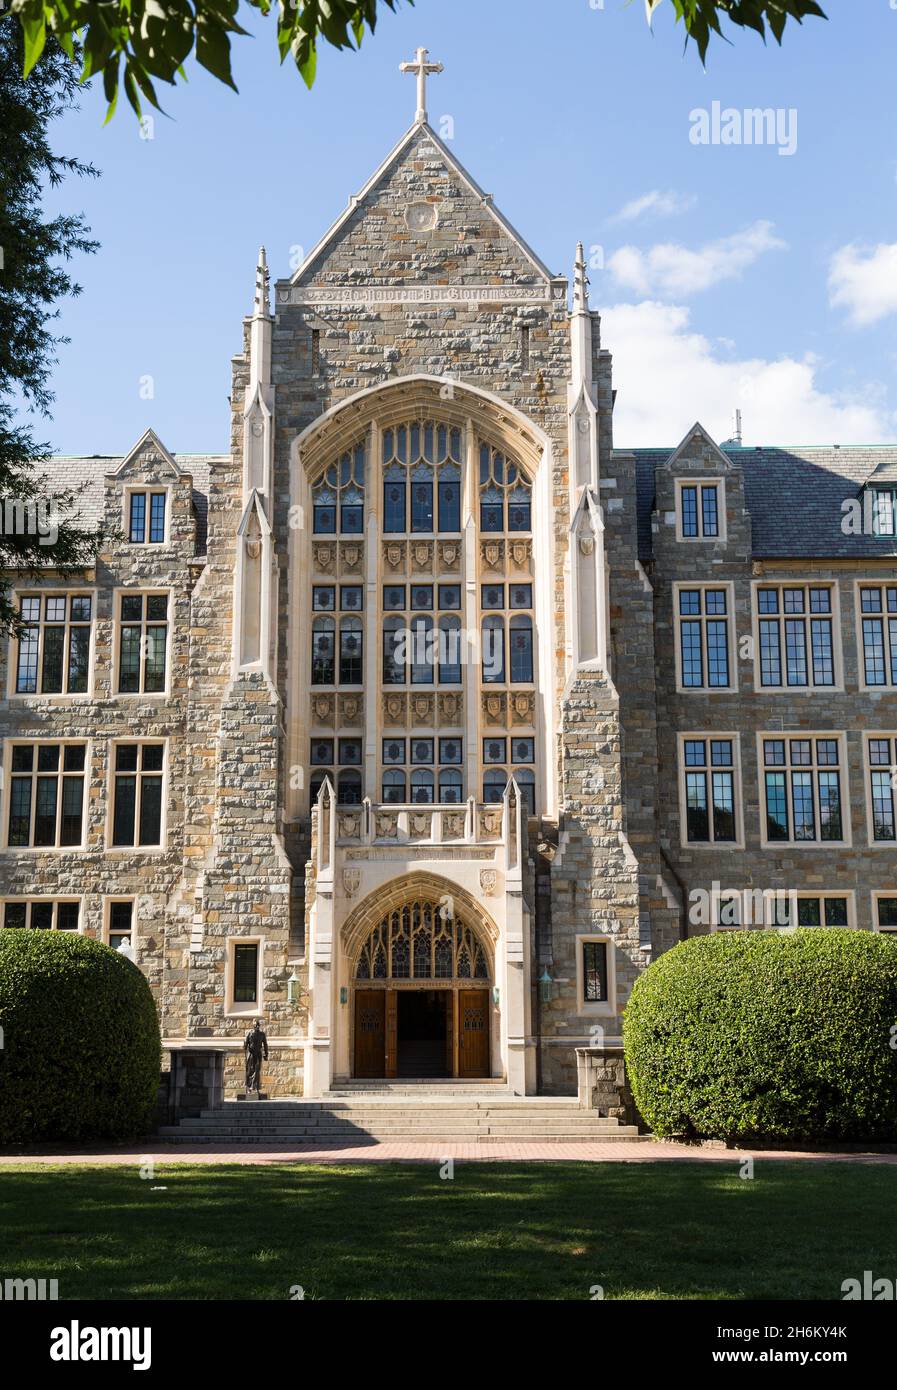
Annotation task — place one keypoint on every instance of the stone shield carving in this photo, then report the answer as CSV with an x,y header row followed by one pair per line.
x,y
421,554
351,881
488,880
323,708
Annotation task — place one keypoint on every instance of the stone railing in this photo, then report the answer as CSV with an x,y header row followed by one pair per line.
x,y
400,824
470,825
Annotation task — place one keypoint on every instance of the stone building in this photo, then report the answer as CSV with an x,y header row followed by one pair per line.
x,y
421,721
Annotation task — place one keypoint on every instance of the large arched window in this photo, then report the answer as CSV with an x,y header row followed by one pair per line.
x,y
323,651
422,941
436,573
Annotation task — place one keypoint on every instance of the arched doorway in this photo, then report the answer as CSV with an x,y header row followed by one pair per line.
x,y
421,983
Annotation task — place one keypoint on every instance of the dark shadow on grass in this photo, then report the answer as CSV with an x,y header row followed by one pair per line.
x,y
393,1231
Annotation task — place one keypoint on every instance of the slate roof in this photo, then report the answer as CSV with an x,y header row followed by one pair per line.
x,y
86,477
794,497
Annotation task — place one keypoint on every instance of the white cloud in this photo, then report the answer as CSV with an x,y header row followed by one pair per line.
x,y
863,280
675,271
667,376
668,204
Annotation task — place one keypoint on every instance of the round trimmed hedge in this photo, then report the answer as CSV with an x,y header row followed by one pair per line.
x,y
764,1034
81,1049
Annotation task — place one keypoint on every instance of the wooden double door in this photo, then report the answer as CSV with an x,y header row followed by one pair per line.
x,y
438,1032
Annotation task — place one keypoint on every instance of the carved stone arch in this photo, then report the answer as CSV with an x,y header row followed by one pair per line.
x,y
429,397
407,889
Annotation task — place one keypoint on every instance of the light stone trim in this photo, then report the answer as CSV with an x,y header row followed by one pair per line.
x,y
369,296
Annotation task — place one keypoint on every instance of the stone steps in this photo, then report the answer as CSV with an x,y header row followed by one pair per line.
x,y
423,1119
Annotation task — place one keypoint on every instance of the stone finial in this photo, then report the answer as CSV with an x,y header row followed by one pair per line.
x,y
421,68
261,285
580,281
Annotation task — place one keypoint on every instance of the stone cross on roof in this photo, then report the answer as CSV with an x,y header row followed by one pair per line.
x,y
420,67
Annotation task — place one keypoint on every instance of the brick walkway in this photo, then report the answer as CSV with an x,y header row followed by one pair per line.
x,y
650,1152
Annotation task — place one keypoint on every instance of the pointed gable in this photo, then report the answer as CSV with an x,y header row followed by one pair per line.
x,y
698,435
420,218
148,449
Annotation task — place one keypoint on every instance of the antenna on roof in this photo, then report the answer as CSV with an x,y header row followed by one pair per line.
x,y
737,437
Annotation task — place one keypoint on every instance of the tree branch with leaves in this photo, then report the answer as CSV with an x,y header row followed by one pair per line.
x,y
39,528
134,44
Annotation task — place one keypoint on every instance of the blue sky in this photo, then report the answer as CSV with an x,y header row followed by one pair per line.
x,y
733,276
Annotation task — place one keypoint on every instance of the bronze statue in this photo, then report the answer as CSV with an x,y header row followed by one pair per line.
x,y
255,1048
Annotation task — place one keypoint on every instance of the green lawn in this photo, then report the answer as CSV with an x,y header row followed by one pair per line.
x,y
494,1231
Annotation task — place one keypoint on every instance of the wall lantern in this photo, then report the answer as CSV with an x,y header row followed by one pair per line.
x,y
546,986
293,989
496,995
343,994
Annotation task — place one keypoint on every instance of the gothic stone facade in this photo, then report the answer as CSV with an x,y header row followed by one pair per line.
x,y
674,693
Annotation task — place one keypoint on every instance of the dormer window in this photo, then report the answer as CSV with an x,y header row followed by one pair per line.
x,y
884,511
146,518
700,510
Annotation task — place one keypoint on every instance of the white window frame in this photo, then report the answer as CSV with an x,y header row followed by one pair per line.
x,y
147,489
868,736
889,488
233,1009
706,735
883,585
593,1008
843,769
57,697
144,593
834,617
53,898
8,774
701,539
678,618
108,901
877,895
162,846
